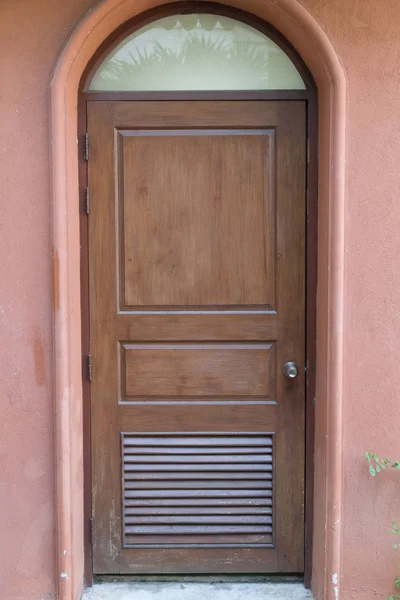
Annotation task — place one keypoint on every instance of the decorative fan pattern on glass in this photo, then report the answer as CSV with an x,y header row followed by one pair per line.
x,y
196,52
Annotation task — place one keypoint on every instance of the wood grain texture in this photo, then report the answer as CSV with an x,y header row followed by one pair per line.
x,y
199,233
198,370
189,416
257,263
212,559
251,325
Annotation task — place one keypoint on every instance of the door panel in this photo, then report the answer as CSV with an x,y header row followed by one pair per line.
x,y
206,370
197,296
201,247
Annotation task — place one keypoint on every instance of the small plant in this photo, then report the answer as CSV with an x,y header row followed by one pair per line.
x,y
376,465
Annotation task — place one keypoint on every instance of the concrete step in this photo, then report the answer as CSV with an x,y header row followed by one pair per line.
x,y
196,591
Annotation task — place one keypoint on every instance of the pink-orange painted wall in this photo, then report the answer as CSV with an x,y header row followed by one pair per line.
x,y
366,36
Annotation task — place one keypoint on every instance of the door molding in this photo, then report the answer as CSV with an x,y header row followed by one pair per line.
x,y
297,25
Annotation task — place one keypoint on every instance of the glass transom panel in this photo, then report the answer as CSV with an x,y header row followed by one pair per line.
x,y
196,52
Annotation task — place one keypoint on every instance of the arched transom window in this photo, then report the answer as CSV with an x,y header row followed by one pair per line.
x,y
196,52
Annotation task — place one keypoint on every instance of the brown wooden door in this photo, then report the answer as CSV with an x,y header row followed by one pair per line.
x,y
197,300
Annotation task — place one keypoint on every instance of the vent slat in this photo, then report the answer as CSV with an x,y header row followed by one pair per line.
x,y
199,493
204,459
199,510
196,467
180,540
202,529
197,489
235,486
229,501
206,440
196,451
197,520
186,476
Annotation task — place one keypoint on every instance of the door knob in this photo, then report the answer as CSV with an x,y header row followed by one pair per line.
x,y
290,370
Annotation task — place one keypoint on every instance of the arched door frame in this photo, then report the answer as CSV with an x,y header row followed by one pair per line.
x,y
71,75
309,95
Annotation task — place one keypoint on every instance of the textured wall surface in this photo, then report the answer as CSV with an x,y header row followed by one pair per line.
x,y
366,35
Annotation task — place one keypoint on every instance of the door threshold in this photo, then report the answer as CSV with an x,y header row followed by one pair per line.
x,y
191,590
237,578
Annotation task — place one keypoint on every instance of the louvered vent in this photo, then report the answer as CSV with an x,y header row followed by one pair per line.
x,y
196,490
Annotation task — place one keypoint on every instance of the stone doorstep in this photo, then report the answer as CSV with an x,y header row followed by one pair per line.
x,y
196,591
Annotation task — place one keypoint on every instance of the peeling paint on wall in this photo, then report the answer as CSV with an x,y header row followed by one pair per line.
x,y
335,585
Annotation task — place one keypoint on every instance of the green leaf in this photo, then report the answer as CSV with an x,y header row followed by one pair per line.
x,y
372,471
368,456
378,469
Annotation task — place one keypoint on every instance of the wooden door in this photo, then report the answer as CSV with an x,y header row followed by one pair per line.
x,y
197,300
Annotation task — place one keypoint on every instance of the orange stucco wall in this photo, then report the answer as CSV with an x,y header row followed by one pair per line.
x,y
366,36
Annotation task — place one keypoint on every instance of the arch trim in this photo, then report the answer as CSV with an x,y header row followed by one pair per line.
x,y
308,37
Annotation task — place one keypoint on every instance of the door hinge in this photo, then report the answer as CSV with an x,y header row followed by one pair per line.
x,y
86,147
91,536
87,201
89,365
